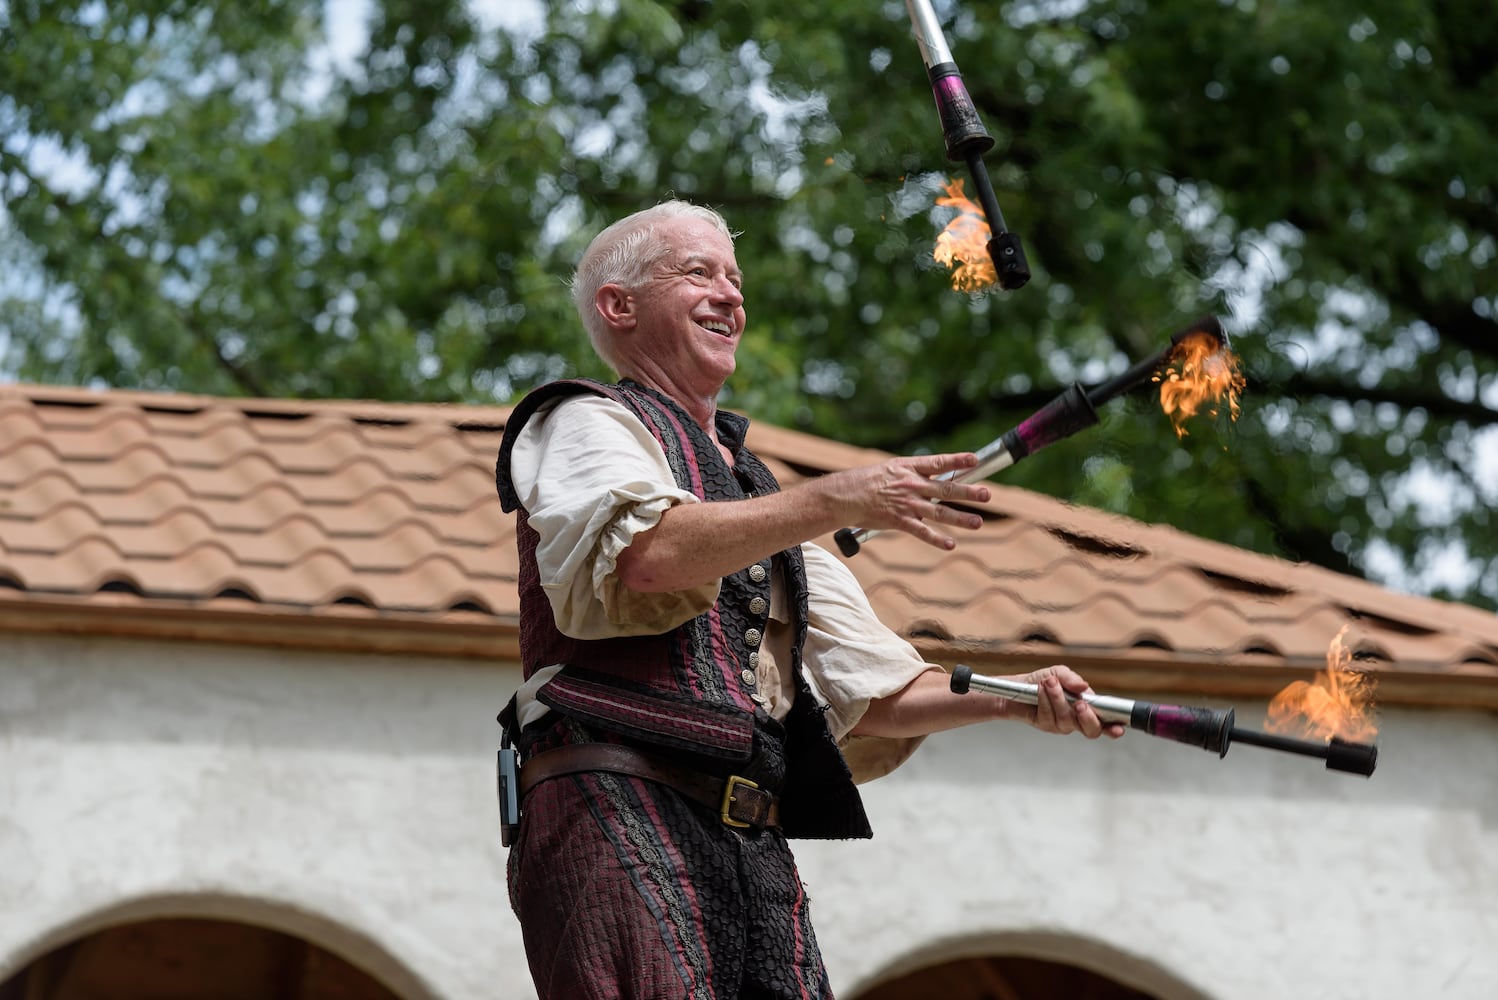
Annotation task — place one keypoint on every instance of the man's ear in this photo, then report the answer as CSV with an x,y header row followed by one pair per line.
x,y
616,306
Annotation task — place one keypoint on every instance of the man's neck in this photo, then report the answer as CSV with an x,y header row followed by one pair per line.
x,y
701,406
702,409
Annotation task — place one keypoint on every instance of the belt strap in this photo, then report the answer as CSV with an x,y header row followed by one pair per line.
x,y
738,801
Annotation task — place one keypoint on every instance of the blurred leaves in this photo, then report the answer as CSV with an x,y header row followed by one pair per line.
x,y
199,197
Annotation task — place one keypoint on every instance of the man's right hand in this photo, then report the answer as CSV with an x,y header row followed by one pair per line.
x,y
697,543
903,494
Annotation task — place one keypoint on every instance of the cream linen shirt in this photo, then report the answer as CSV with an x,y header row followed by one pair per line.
x,y
591,477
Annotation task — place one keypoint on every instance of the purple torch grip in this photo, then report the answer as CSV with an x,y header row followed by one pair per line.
x,y
1062,417
961,128
1208,728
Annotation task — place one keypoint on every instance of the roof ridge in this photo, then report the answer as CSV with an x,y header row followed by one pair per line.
x,y
472,414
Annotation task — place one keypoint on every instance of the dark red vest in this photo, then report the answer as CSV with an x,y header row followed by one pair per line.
x,y
690,688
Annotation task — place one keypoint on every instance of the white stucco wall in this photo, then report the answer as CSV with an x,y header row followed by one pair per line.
x,y
347,799
1257,875
350,800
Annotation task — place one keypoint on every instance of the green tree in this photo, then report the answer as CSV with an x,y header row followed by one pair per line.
x,y
198,200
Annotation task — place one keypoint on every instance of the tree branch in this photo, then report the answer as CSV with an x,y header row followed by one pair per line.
x,y
1436,404
1296,541
248,383
1452,319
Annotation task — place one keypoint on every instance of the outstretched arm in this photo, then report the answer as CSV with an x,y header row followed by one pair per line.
x,y
695,544
928,705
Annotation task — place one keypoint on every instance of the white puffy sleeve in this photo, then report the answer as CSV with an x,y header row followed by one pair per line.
x,y
591,477
853,658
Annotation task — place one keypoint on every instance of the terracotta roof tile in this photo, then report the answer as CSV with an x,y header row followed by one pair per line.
x,y
374,525
258,510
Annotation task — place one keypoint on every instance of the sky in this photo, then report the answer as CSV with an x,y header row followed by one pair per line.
x,y
345,21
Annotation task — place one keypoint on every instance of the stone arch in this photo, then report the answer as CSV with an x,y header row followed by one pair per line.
x,y
1025,966
228,921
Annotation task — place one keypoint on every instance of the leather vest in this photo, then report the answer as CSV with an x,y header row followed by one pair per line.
x,y
688,689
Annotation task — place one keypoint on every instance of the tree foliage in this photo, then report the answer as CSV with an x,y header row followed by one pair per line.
x,y
197,197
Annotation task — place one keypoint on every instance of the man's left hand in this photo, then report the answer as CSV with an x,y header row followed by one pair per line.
x,y
1055,713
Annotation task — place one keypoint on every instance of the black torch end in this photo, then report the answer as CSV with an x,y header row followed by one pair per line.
x,y
1207,326
1009,260
1339,754
847,541
1354,758
962,679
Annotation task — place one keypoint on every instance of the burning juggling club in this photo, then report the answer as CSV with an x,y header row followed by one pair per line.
x,y
1208,728
966,139
1072,411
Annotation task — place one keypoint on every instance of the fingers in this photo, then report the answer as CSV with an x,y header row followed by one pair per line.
x,y
909,494
935,513
945,473
1060,707
1053,712
956,463
950,490
930,495
1087,721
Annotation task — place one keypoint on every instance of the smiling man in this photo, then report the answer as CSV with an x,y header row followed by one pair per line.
x,y
694,667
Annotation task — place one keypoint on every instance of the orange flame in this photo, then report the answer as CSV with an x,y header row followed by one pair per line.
x,y
1338,702
963,244
1200,373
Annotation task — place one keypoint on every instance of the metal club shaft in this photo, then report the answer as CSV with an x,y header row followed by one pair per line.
x,y
1208,728
1062,417
1340,755
1075,409
966,139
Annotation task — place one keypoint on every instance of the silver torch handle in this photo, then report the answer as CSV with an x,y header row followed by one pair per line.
x,y
1107,707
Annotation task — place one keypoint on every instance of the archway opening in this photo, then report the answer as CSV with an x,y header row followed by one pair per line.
x,y
1008,977
191,958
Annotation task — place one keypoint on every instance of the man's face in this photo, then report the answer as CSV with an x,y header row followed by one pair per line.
x,y
689,313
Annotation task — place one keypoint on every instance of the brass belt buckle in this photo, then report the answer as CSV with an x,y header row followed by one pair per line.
x,y
733,782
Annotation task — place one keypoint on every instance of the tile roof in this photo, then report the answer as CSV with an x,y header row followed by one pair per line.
x,y
373,526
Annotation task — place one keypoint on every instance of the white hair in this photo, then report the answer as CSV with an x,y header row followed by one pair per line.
x,y
624,254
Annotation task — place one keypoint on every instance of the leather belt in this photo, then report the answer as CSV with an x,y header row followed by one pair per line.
x,y
738,801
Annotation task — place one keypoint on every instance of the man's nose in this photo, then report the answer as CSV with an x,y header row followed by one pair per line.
x,y
728,292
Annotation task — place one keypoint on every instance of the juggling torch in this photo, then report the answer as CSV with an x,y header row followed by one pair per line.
x,y
1208,728
1072,411
966,139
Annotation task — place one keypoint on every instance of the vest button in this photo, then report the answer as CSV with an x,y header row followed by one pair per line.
x,y
760,700
752,637
754,661
747,676
758,606
757,573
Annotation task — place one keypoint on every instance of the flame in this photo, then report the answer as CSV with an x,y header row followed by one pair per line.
x,y
1338,702
963,244
1200,373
